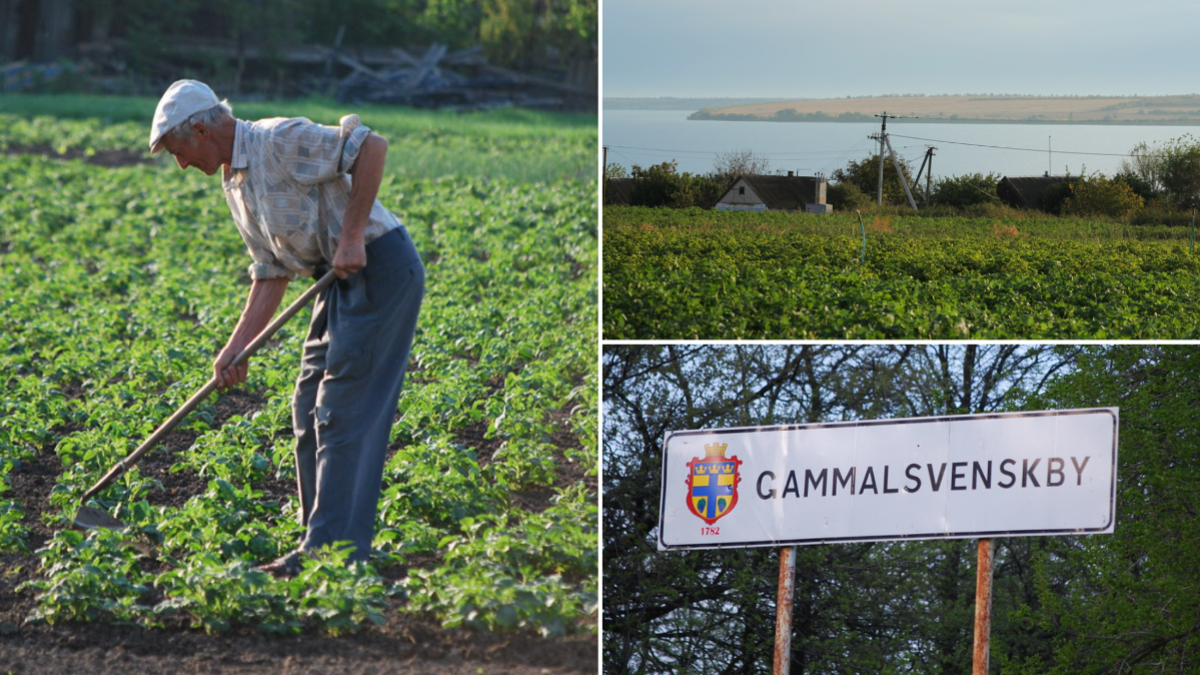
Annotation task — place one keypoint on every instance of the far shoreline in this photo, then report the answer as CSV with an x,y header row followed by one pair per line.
x,y
1183,122
1175,110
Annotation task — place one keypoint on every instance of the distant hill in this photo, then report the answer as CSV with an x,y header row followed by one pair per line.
x,y
670,103
1183,109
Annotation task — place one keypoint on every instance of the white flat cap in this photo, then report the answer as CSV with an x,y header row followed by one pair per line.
x,y
182,99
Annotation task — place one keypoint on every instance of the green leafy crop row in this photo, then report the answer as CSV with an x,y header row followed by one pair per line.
x,y
711,275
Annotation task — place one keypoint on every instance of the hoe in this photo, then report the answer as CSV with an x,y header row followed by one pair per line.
x,y
89,517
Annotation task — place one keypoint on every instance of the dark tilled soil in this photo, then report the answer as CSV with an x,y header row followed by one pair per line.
x,y
404,645
107,158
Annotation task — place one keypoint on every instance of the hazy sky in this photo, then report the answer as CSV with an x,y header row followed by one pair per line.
x,y
834,48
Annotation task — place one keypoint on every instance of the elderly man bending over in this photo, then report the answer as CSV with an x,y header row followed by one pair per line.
x,y
303,198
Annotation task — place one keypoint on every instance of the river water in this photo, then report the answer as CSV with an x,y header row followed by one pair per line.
x,y
647,137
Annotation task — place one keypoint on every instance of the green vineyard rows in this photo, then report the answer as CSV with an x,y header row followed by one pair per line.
x,y
118,286
696,274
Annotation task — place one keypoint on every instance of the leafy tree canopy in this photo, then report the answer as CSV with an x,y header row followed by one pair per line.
x,y
1123,603
519,33
864,174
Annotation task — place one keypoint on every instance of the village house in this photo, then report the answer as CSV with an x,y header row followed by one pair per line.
x,y
776,193
1026,192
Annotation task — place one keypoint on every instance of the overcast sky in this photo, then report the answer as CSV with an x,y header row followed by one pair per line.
x,y
835,48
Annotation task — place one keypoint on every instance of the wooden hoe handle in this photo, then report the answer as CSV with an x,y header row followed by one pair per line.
x,y
208,388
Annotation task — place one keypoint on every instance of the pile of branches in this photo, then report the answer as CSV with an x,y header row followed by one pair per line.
x,y
436,79
461,80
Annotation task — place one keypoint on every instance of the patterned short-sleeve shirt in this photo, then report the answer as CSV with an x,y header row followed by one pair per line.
x,y
288,190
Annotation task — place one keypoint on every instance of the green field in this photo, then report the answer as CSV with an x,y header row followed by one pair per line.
x,y
513,145
118,284
696,274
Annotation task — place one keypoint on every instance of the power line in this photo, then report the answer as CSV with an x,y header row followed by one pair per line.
x,y
674,152
1007,147
627,159
844,157
835,157
805,155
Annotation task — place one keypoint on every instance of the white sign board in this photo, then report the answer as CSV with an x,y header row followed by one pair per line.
x,y
962,476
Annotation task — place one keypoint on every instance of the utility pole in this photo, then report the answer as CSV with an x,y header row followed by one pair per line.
x,y
885,143
929,176
882,135
604,191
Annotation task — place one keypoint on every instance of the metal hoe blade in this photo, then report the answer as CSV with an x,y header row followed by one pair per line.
x,y
91,518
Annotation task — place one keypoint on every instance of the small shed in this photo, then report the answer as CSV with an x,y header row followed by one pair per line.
x,y
1025,192
773,193
617,191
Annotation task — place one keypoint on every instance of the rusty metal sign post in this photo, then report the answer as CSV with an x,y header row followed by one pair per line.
x,y
783,610
787,591
983,607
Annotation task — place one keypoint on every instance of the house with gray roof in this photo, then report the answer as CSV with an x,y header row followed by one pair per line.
x,y
1026,192
775,193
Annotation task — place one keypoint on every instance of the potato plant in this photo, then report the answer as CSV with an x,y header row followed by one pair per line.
x,y
117,287
705,274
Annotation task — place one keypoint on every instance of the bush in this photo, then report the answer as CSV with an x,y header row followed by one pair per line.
x,y
845,197
663,185
656,185
1100,196
1055,196
961,191
864,174
1140,185
1160,213
615,171
1171,171
1179,171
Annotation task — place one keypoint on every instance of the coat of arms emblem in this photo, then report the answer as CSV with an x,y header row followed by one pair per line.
x,y
712,483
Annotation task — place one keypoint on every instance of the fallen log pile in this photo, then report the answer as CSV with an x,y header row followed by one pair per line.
x,y
460,80
429,77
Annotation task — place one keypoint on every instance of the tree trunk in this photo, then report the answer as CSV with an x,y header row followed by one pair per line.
x,y
54,23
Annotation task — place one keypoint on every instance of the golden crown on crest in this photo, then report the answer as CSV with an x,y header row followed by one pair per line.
x,y
715,449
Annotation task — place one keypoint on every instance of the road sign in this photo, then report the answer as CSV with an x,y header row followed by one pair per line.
x,y
963,476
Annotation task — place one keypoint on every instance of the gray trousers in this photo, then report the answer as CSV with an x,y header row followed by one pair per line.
x,y
353,366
